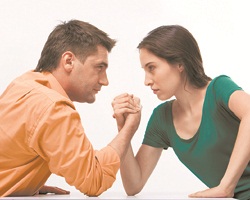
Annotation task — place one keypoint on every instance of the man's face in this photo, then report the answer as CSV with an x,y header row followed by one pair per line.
x,y
87,78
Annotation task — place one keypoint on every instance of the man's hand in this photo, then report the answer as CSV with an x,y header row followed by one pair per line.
x,y
50,189
133,118
127,112
123,105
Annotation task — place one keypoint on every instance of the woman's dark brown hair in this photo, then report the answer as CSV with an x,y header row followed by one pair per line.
x,y
176,44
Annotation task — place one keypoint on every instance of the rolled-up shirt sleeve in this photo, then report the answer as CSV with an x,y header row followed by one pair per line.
x,y
59,138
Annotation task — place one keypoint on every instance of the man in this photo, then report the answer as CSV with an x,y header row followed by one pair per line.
x,y
40,130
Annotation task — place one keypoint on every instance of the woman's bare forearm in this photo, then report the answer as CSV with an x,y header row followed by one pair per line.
x,y
240,156
135,170
131,173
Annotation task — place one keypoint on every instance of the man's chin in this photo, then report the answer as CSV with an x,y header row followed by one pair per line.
x,y
87,100
92,100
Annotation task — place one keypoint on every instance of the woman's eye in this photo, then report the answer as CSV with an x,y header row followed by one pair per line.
x,y
151,68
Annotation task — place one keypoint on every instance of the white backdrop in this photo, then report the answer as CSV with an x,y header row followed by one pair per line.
x,y
220,27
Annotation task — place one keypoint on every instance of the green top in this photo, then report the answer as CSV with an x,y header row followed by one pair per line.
x,y
208,152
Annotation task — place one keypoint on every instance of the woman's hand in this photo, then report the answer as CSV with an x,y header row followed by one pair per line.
x,y
123,105
51,189
216,192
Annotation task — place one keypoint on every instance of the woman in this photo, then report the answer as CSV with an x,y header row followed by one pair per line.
x,y
207,123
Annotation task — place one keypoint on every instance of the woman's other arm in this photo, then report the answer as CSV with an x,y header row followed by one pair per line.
x,y
240,106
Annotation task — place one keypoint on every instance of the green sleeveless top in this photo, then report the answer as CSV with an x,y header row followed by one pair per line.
x,y
208,152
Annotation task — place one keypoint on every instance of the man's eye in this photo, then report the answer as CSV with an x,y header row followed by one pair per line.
x,y
100,67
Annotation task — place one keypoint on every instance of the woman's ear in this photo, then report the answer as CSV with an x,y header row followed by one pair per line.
x,y
68,61
180,67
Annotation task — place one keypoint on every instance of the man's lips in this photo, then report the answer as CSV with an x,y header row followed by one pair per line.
x,y
97,90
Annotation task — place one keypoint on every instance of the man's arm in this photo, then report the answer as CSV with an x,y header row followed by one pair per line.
x,y
60,140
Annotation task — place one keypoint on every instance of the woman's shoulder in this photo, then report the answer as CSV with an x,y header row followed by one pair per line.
x,y
223,81
221,77
221,88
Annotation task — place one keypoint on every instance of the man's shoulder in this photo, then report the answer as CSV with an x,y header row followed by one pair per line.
x,y
36,88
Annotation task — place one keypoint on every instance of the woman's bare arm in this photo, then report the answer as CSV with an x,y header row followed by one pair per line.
x,y
240,106
135,171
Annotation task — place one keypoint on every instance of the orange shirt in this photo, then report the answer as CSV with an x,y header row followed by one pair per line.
x,y
41,133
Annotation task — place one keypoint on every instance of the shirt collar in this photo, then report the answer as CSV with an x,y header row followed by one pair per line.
x,y
54,84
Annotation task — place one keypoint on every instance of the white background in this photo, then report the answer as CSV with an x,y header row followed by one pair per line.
x,y
221,28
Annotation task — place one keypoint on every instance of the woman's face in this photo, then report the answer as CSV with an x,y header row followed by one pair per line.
x,y
163,78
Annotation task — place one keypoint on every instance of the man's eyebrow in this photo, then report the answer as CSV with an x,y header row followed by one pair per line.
x,y
103,63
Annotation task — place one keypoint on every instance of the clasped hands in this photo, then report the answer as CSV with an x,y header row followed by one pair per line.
x,y
126,106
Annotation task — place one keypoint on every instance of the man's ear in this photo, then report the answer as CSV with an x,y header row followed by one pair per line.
x,y
68,61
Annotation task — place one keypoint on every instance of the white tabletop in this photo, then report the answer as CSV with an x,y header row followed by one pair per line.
x,y
115,196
